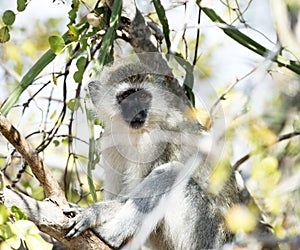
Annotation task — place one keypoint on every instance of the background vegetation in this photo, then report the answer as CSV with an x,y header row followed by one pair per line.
x,y
240,65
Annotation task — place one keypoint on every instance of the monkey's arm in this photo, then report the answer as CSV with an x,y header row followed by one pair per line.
x,y
115,222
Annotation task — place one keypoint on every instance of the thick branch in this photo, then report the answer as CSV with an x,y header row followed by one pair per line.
x,y
51,220
41,172
141,38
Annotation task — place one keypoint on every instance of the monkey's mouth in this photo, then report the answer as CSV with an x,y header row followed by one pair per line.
x,y
138,120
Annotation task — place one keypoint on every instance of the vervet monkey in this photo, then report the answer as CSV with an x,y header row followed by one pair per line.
x,y
155,175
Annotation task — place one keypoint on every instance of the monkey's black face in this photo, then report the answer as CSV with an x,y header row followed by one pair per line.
x,y
135,104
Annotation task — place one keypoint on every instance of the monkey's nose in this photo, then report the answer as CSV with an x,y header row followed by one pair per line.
x,y
134,104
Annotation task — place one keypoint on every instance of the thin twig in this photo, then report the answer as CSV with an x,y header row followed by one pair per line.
x,y
197,37
26,104
228,89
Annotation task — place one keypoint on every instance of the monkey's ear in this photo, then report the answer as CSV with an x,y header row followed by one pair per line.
x,y
94,88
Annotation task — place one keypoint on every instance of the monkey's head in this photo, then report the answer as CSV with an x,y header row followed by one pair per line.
x,y
129,95
130,99
142,114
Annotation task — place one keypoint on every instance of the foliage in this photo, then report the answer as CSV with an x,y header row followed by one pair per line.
x,y
20,232
43,83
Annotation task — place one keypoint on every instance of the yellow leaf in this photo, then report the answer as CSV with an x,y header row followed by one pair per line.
x,y
265,167
12,52
219,176
29,48
263,134
265,171
53,116
201,115
279,231
274,204
5,246
240,219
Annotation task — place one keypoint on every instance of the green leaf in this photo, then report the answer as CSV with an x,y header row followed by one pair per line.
x,y
14,241
163,20
35,241
5,232
296,124
73,104
18,213
56,143
4,214
81,63
78,76
73,33
38,193
292,149
21,5
73,12
65,141
107,41
28,78
249,43
8,17
57,44
92,147
4,34
189,77
98,121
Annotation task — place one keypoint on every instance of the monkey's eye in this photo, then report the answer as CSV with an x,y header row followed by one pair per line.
x,y
143,95
123,95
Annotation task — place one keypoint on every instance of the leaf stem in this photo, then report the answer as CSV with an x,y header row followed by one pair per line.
x,y
249,43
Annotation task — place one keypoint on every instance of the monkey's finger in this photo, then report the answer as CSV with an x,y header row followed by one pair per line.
x,y
76,229
71,222
73,233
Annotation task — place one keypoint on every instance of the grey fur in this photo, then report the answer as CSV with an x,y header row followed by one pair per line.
x,y
155,187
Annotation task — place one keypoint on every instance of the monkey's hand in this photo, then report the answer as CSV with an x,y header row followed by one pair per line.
x,y
112,221
91,217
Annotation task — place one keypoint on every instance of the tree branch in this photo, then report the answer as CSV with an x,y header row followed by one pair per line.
x,y
141,38
40,171
279,139
47,215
